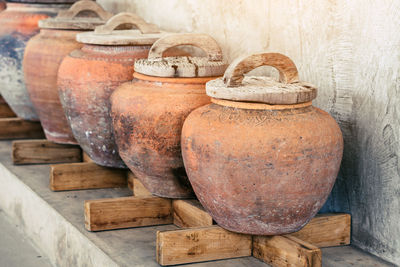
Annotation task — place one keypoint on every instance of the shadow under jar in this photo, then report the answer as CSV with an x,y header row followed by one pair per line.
x,y
43,56
18,23
148,113
261,159
88,76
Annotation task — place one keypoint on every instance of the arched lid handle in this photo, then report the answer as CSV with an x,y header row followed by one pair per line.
x,y
202,41
234,74
84,5
127,18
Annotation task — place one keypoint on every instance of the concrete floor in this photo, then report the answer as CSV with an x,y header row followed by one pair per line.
x,y
16,250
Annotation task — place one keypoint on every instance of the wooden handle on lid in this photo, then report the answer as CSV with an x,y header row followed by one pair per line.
x,y
202,41
126,18
84,5
234,74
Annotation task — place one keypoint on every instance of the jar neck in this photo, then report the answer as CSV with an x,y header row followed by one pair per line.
x,y
58,33
259,106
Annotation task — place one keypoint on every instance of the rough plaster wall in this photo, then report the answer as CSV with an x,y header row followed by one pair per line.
x,y
351,51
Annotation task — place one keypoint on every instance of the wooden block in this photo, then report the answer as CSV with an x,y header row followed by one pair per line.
x,y
130,181
43,151
286,251
200,244
327,230
86,175
85,157
190,213
125,212
137,186
16,128
5,111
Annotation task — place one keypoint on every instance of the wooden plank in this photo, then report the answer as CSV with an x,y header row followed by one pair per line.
x,y
5,111
43,151
190,213
86,175
137,186
200,244
125,212
282,251
16,128
327,230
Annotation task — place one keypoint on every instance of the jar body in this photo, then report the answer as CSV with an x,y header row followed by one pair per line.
x,y
18,23
148,115
86,79
261,171
43,56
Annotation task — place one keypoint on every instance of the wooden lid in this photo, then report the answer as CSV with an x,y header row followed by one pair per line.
x,y
145,34
235,86
83,15
157,65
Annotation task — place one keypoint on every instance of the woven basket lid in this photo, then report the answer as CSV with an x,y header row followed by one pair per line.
x,y
83,15
157,65
235,86
111,34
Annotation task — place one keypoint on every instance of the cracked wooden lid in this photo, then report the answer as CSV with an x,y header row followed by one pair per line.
x,y
112,34
83,15
235,86
157,65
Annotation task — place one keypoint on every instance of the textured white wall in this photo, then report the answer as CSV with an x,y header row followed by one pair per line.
x,y
351,51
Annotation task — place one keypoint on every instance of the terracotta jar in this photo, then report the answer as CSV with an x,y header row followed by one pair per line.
x,y
43,56
261,159
107,60
2,5
18,23
148,113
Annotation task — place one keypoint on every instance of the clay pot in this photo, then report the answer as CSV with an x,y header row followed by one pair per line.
x,y
261,159
148,113
43,56
2,5
18,23
107,60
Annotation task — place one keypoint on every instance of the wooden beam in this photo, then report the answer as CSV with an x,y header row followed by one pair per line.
x,y
282,251
86,175
200,244
327,230
5,111
125,212
44,152
16,128
85,157
137,186
190,213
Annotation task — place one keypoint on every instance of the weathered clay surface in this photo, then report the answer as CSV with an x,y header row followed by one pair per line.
x,y
43,56
148,115
87,77
262,172
18,23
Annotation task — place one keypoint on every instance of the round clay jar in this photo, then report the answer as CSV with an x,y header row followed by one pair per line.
x,y
261,159
107,59
43,56
18,23
148,113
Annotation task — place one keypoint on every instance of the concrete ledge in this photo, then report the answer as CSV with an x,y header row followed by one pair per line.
x,y
55,222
